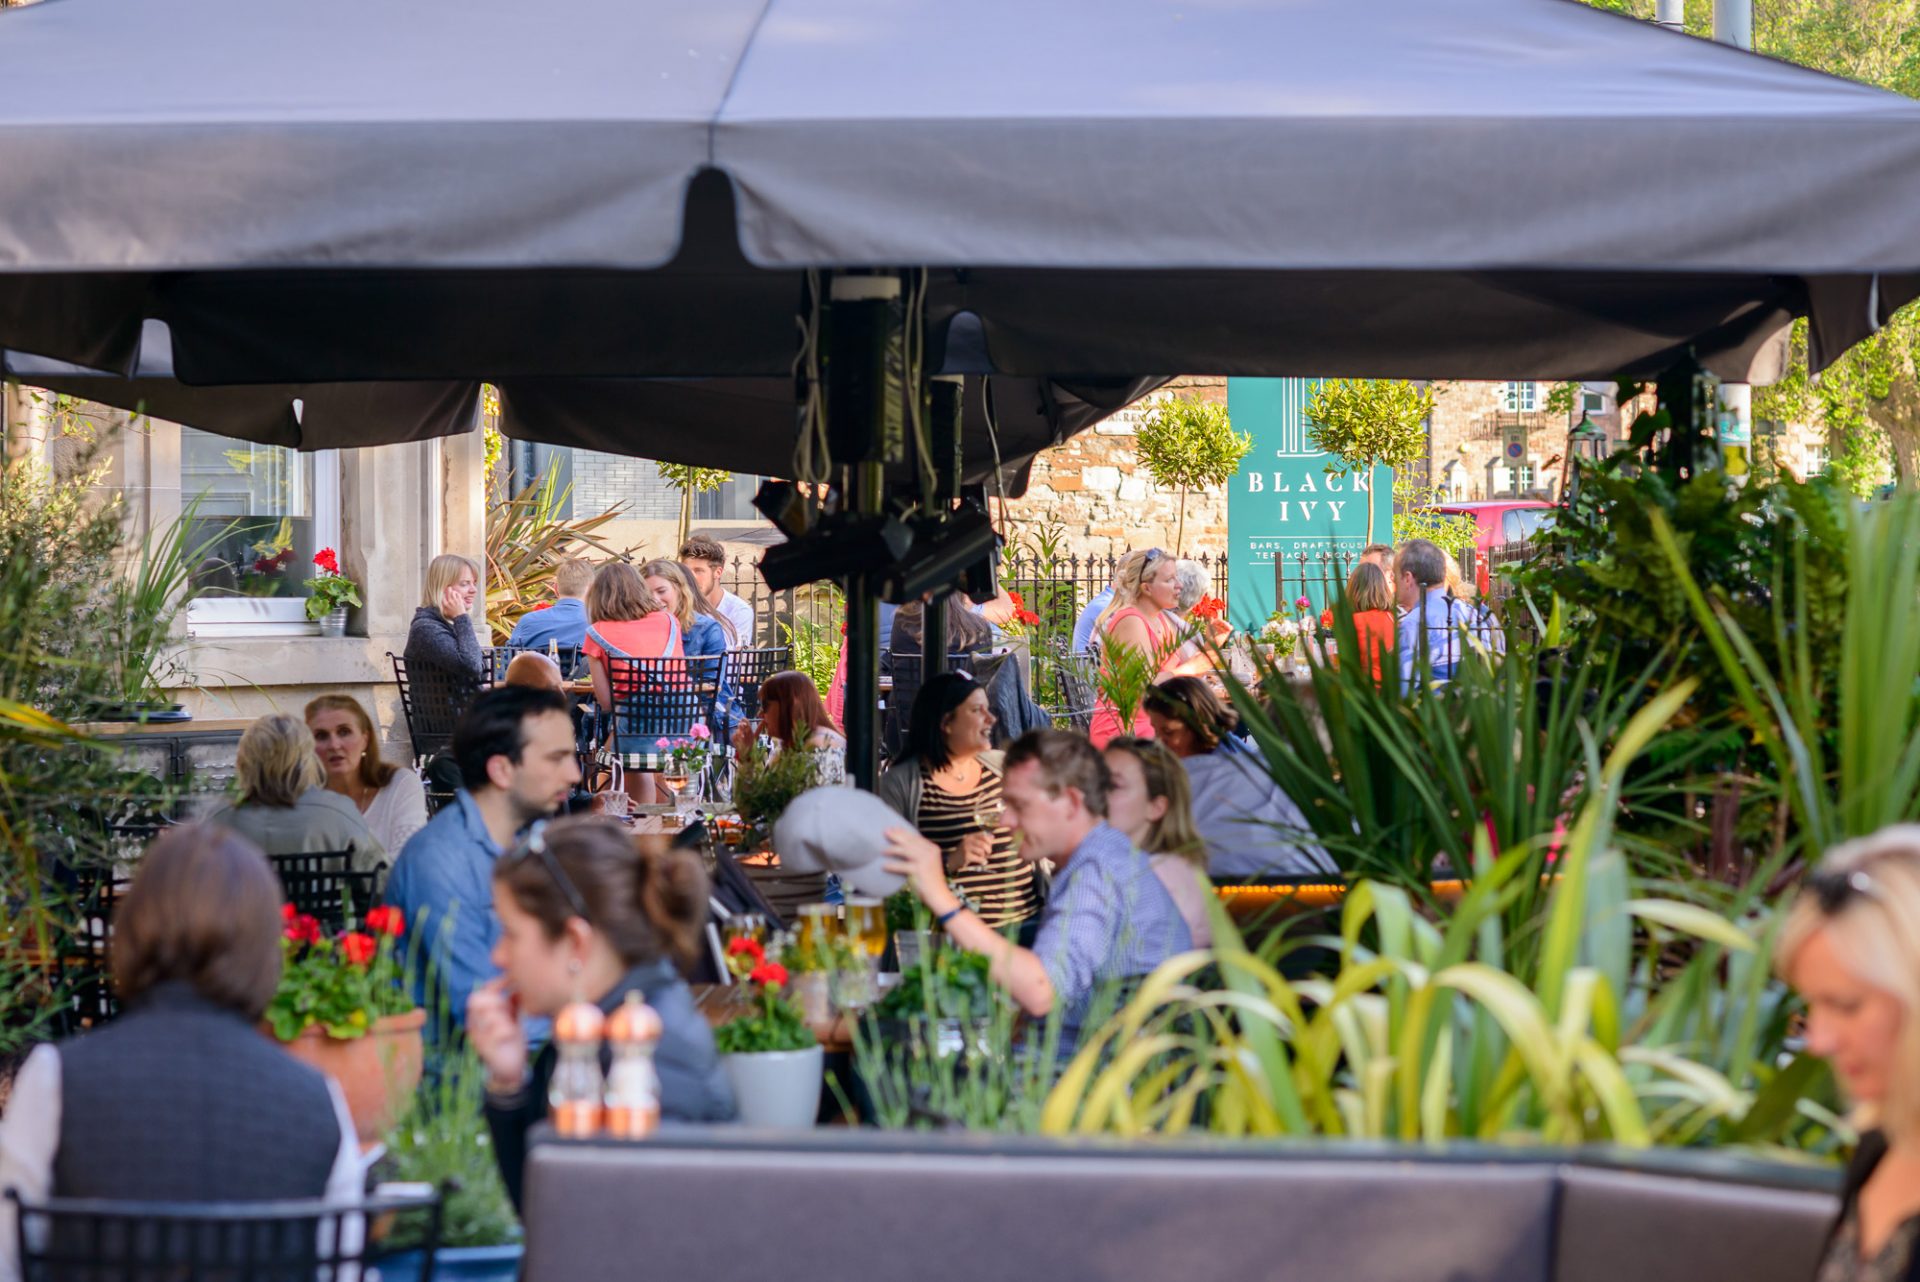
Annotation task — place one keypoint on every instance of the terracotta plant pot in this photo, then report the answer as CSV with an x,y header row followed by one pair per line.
x,y
377,1073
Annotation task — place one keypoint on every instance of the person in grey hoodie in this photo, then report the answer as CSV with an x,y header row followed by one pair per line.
x,y
1251,828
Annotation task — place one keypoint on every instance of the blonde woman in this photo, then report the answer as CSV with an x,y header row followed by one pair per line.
x,y
391,799
1149,801
442,638
283,807
1851,946
1146,588
704,633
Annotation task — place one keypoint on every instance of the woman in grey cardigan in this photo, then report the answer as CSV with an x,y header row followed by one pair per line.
x,y
284,806
442,637
947,785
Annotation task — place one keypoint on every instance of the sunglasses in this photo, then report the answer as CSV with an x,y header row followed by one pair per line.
x,y
1835,889
1153,554
534,846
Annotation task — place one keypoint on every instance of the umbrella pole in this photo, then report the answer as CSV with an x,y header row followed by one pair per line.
x,y
943,430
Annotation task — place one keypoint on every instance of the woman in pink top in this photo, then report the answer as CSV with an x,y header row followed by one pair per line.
x,y
626,622
1150,803
1145,591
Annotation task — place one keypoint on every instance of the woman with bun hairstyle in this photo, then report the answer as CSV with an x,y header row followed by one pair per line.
x,y
582,918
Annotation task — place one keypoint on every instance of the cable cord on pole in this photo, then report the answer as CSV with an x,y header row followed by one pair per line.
x,y
812,455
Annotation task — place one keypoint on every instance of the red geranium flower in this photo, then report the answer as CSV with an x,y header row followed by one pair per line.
x,y
327,561
300,928
769,975
357,948
1208,607
1326,617
387,921
741,946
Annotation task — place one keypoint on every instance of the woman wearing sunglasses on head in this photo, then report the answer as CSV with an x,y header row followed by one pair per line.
x,y
1851,946
583,919
1146,591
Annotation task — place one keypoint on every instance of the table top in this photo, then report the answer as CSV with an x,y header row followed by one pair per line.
x,y
718,1003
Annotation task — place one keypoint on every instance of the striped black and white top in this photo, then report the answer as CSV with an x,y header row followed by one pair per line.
x,y
1003,891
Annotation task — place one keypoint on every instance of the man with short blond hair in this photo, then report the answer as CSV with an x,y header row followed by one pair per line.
x,y
705,561
564,623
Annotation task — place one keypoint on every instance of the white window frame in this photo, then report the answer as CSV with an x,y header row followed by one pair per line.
x,y
1520,398
276,616
1819,459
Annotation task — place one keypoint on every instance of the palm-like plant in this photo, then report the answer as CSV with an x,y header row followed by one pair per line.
x,y
527,539
1458,1028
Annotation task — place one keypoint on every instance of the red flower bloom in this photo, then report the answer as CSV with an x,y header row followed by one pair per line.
x,y
1208,607
357,948
387,921
327,561
769,975
300,928
1326,617
741,946
1026,616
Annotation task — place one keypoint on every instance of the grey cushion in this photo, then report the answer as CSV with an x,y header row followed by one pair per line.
x,y
1621,1226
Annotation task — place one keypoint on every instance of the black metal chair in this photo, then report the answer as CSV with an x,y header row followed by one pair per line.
x,y
495,658
97,1240
1076,688
655,699
906,670
433,701
324,885
748,670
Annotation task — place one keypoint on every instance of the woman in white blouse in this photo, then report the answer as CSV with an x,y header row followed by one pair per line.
x,y
390,798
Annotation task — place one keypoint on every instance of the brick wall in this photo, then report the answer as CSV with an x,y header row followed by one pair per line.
x,y
1095,487
601,481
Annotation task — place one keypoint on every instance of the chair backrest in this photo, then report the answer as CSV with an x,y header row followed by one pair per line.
x,y
324,885
1076,688
907,669
662,698
433,701
67,1240
495,658
748,669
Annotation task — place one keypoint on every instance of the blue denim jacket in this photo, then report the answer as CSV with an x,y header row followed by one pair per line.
x,y
443,882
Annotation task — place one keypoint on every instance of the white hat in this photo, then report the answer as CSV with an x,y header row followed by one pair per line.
x,y
842,831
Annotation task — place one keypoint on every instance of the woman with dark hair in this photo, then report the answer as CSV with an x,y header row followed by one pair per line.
x,y
1252,829
793,716
181,1099
582,918
947,785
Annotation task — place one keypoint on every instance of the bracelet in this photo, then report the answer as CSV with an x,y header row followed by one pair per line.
x,y
949,915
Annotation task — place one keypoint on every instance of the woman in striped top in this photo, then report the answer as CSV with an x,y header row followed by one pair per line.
x,y
947,785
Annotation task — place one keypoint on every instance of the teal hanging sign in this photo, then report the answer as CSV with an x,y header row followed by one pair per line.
x,y
1283,504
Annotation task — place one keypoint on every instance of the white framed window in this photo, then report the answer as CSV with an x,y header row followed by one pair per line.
x,y
264,510
1817,459
1593,402
1520,398
1453,479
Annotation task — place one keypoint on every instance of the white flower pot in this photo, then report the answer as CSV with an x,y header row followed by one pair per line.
x,y
779,1089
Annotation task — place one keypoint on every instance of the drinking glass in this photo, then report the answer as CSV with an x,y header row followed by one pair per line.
x,y
866,925
853,991
817,925
746,926
914,948
614,803
676,778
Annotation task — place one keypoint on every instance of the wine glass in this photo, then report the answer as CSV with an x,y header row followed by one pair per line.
x,y
676,778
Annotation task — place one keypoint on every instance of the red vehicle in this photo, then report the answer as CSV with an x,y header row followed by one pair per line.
x,y
1497,523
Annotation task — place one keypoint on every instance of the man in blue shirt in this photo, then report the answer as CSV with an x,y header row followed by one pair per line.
x,y
1432,624
516,756
1107,919
564,623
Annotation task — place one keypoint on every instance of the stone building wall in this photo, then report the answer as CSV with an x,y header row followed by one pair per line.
x,y
1096,489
